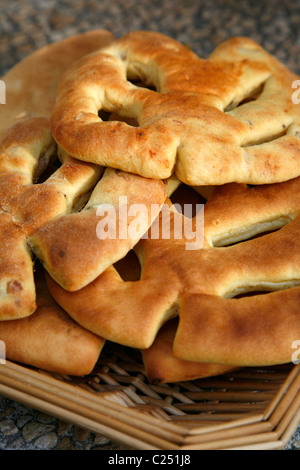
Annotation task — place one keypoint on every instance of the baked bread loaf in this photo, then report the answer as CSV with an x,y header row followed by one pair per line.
x,y
49,339
134,118
43,190
200,286
226,119
30,86
162,366
26,149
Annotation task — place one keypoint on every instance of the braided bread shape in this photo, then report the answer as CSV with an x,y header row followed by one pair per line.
x,y
226,119
201,285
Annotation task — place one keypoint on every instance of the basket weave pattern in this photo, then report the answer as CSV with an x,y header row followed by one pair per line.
x,y
250,408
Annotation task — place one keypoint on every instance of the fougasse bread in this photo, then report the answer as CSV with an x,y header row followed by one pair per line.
x,y
202,286
228,118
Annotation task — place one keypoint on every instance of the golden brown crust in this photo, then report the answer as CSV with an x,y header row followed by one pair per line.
x,y
31,84
17,288
171,273
26,149
195,124
251,331
236,212
25,206
66,242
71,248
133,319
49,339
174,125
22,145
163,367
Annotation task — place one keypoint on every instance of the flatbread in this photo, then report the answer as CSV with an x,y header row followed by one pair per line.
x,y
163,367
201,285
226,119
30,86
49,339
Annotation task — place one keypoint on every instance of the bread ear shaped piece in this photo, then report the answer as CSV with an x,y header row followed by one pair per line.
x,y
49,339
163,367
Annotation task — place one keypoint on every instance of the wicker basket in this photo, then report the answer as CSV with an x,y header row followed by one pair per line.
x,y
251,408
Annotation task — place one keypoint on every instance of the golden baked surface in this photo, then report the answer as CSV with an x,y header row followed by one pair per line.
x,y
31,84
163,367
35,189
26,149
226,119
200,286
134,119
49,339
49,200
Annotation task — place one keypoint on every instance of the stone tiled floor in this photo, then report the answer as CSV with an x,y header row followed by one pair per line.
x,y
23,428
26,26
202,24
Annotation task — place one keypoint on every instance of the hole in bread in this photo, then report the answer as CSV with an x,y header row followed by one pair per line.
x,y
250,294
261,288
268,138
241,235
80,201
108,116
253,95
129,267
140,78
140,84
46,167
104,115
185,195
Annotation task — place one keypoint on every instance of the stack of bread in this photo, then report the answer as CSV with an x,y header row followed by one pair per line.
x,y
99,134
